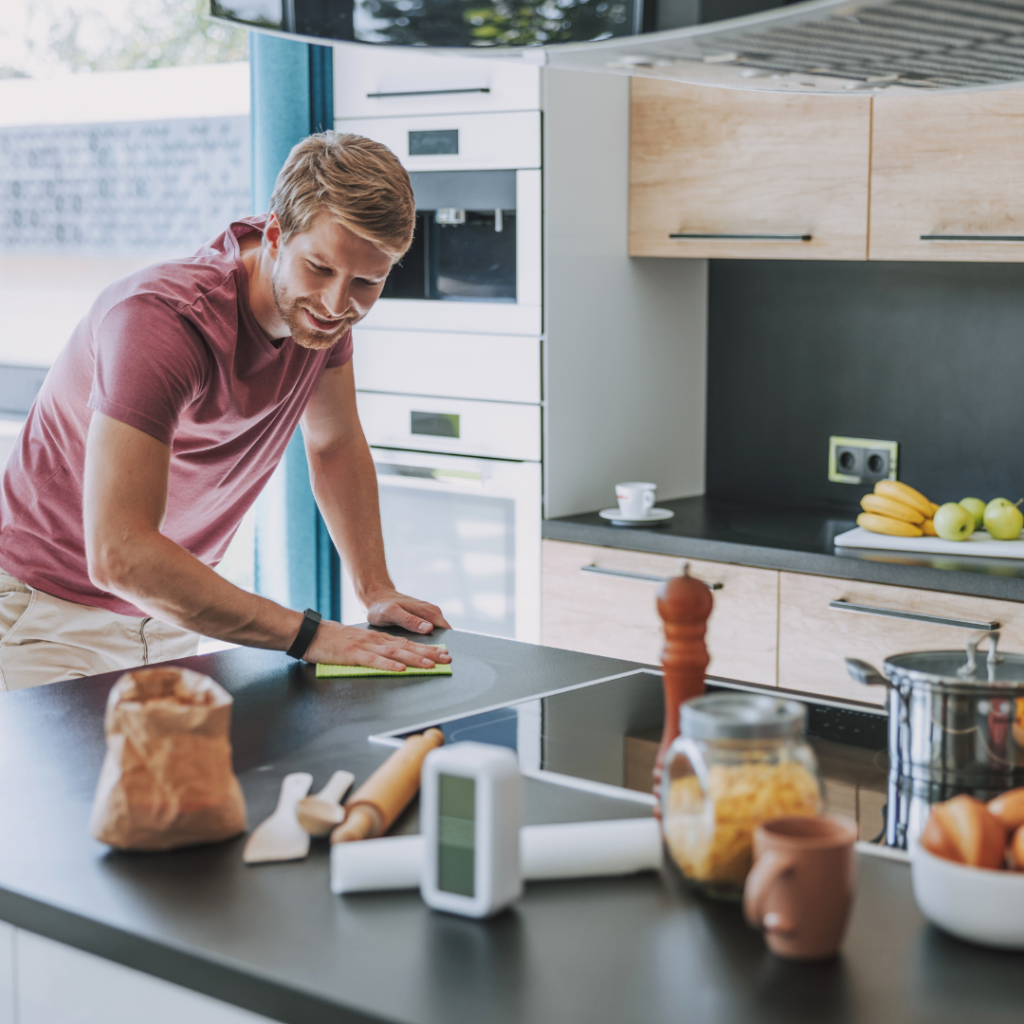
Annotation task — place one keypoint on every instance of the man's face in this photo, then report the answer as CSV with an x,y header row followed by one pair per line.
x,y
325,280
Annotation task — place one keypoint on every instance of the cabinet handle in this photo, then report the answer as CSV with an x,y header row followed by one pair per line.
x,y
743,238
972,238
423,92
646,577
892,613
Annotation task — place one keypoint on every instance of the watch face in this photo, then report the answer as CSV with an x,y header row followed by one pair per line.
x,y
456,834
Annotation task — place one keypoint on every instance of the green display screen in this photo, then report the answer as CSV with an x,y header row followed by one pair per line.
x,y
456,834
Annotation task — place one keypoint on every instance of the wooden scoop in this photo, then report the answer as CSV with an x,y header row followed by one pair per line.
x,y
320,813
374,806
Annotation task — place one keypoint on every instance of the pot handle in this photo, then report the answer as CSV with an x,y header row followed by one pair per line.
x,y
862,672
967,670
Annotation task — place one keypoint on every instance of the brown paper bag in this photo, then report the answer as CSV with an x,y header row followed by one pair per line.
x,y
167,779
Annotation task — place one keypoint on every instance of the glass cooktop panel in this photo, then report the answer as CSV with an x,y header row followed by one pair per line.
x,y
604,736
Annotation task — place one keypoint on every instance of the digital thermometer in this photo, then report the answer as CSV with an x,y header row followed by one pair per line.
x,y
470,813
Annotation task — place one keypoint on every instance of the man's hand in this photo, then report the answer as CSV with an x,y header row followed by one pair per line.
x,y
335,644
390,608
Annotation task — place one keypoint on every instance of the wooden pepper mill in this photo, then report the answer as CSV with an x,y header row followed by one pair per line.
x,y
684,605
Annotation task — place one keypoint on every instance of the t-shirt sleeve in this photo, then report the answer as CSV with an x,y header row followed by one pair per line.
x,y
341,353
150,366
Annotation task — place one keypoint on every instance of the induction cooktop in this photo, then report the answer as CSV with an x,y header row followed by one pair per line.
x,y
602,737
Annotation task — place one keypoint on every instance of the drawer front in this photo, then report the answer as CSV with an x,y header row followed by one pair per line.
x,y
482,366
814,638
498,430
484,141
390,82
617,616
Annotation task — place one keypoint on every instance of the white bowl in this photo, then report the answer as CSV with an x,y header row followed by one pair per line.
x,y
976,904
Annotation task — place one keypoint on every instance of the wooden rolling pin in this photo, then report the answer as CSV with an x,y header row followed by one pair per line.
x,y
374,806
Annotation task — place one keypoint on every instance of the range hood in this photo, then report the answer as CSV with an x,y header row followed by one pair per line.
x,y
817,46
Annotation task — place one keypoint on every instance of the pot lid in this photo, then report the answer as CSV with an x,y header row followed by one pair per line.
x,y
959,668
741,716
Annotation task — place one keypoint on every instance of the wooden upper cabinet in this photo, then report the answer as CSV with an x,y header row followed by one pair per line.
x,y
724,162
948,165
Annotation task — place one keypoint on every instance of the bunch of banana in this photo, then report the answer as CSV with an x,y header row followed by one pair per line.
x,y
898,510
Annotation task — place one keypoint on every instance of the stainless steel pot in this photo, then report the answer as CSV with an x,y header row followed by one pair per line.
x,y
954,720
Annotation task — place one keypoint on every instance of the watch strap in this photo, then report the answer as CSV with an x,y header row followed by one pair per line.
x,y
310,624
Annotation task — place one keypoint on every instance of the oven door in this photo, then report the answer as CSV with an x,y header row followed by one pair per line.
x,y
464,534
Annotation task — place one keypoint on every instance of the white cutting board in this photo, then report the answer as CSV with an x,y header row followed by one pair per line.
x,y
979,544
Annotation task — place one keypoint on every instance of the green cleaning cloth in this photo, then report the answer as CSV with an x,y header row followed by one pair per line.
x,y
353,671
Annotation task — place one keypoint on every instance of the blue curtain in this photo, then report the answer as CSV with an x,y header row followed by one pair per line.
x,y
292,95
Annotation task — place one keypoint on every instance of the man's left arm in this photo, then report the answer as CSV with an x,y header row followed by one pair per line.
x,y
344,481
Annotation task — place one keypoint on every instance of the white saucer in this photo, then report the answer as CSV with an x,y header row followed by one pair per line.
x,y
656,515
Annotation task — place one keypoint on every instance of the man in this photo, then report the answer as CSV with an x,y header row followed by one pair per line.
x,y
167,412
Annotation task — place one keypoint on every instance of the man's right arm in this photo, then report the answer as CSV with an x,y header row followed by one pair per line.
x,y
125,501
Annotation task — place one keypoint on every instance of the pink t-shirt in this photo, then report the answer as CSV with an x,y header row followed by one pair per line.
x,y
173,350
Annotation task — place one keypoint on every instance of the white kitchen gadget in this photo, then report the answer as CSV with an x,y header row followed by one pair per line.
x,y
577,849
470,813
656,515
635,499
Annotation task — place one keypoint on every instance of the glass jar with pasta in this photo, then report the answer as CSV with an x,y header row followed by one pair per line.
x,y
740,760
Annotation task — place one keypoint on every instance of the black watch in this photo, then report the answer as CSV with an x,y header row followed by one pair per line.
x,y
310,624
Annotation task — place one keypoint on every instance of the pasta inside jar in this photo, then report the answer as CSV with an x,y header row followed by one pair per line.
x,y
709,828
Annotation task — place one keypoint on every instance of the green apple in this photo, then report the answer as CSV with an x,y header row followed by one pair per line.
x,y
1003,519
954,522
977,509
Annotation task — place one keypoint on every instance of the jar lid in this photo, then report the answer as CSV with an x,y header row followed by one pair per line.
x,y
741,716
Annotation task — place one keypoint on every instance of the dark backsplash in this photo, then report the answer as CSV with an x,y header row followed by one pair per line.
x,y
927,354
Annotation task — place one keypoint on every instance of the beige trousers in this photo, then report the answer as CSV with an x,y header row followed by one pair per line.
x,y
44,639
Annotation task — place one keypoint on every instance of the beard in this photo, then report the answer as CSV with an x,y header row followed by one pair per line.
x,y
292,312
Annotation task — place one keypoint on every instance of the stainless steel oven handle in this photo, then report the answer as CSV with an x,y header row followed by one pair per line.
x,y
645,577
892,613
423,92
740,238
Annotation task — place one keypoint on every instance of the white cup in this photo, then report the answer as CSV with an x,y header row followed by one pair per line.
x,y
635,499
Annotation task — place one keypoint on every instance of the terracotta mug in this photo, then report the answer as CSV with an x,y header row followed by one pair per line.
x,y
800,888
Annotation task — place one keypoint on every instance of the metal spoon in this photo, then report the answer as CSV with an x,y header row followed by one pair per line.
x,y
319,813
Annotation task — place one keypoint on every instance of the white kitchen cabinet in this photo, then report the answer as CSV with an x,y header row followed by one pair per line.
x,y
371,81
60,985
486,367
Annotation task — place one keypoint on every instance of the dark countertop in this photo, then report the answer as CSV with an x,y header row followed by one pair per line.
x,y
272,939
797,540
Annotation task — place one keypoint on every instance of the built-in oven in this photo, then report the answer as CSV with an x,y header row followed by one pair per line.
x,y
463,533
475,260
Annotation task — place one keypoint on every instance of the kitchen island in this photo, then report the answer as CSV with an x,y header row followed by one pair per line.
x,y
274,941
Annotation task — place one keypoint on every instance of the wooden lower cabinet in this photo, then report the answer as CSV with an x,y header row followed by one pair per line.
x,y
615,615
814,638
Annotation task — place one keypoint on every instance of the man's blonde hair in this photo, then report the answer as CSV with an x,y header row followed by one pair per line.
x,y
357,182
